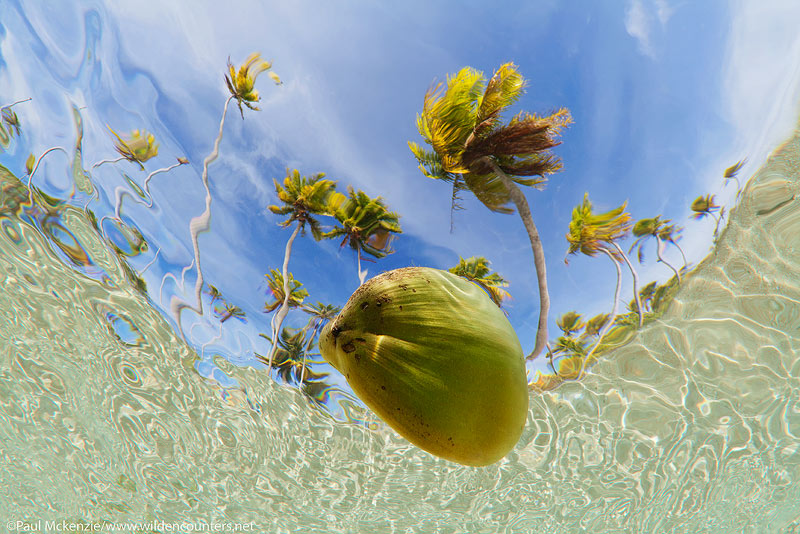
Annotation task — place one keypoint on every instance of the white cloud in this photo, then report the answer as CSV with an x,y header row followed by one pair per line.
x,y
663,11
638,26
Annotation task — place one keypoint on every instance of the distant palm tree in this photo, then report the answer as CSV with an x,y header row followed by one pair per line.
x,y
138,148
302,198
646,295
290,357
227,311
476,269
276,285
671,233
11,120
704,206
596,323
214,293
241,87
472,150
644,229
287,358
366,225
241,83
732,171
320,314
570,323
591,233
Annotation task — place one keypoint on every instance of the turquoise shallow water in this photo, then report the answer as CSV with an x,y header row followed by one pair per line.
x,y
692,427
111,415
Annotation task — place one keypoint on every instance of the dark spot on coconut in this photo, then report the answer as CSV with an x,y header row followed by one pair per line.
x,y
335,331
357,356
360,340
348,347
384,388
401,306
403,286
414,290
378,304
364,305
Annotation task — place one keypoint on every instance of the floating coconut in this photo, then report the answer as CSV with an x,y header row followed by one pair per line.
x,y
436,359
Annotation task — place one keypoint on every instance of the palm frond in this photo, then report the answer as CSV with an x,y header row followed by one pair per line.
x,y
275,287
490,190
476,269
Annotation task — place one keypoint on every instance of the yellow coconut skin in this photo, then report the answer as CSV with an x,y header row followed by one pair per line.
x,y
436,359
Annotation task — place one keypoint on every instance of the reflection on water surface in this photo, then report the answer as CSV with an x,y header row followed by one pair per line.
x,y
691,424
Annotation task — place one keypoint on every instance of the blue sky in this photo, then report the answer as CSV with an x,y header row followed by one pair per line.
x,y
665,95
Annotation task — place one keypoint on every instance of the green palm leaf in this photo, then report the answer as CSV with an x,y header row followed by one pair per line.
x,y
476,269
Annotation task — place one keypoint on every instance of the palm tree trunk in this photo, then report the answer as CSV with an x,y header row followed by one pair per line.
x,y
685,263
635,283
199,224
538,256
277,319
659,249
613,308
362,275
33,171
120,192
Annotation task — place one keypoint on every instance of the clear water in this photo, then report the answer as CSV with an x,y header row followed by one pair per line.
x,y
108,414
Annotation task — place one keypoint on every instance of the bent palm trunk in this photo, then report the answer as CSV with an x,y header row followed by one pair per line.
x,y
610,322
659,249
538,256
635,283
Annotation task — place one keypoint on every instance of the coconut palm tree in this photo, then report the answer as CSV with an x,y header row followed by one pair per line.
x,y
214,293
287,358
139,147
704,206
596,323
591,233
671,233
290,358
228,310
570,323
276,285
572,349
366,225
302,197
476,269
241,83
647,228
473,150
9,118
241,87
320,314
646,295
732,171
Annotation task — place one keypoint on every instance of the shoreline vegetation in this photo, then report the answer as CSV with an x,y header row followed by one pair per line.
x,y
471,149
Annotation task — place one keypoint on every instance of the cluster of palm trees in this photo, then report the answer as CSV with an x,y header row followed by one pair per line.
x,y
471,148
365,224
591,234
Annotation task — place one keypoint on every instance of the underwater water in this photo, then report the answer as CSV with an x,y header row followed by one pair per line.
x,y
692,427
116,411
